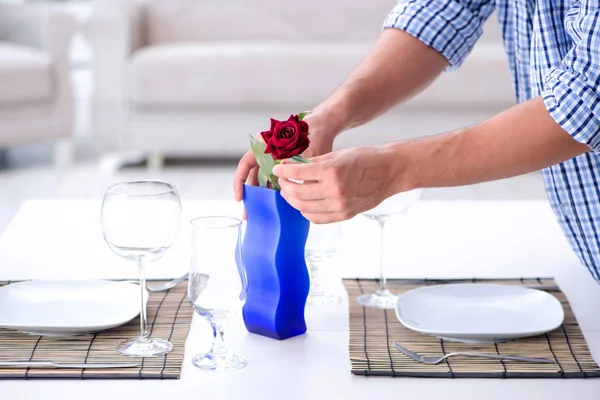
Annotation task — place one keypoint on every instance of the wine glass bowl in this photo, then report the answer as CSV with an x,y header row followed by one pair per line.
x,y
390,207
395,205
321,245
140,221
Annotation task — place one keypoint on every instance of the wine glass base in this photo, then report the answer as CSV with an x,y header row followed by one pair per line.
x,y
323,299
144,347
227,362
374,300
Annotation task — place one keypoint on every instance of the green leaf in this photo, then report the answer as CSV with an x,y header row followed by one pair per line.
x,y
300,160
265,161
262,178
275,182
302,115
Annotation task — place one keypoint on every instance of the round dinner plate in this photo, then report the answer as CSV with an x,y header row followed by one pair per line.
x,y
67,308
479,312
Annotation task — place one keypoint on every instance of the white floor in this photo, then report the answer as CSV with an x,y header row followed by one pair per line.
x,y
89,179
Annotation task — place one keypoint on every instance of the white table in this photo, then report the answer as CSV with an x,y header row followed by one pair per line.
x,y
57,239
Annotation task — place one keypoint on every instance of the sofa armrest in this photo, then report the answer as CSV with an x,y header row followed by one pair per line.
x,y
47,29
43,28
114,30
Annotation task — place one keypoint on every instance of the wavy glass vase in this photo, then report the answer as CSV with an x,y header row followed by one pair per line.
x,y
273,256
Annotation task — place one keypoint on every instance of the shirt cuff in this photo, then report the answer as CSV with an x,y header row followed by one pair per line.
x,y
571,102
449,27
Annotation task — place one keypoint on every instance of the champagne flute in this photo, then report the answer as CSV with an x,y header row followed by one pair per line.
x,y
140,222
390,207
217,284
321,246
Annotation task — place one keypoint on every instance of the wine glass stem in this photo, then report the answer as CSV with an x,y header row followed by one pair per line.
x,y
219,348
316,278
143,319
382,283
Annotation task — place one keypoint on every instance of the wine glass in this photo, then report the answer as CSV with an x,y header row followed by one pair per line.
x,y
217,284
392,206
321,245
140,221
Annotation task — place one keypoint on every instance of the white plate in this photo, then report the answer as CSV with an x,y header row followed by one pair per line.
x,y
66,308
479,312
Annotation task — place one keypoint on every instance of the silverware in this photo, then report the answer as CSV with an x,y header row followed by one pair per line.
x,y
437,360
166,286
47,364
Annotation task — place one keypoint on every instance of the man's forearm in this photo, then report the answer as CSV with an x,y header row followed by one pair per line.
x,y
398,67
520,140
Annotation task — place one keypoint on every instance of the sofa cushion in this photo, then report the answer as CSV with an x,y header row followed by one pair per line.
x,y
25,74
240,74
248,20
294,76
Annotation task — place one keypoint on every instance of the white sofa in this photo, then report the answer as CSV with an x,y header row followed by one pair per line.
x,y
35,90
189,77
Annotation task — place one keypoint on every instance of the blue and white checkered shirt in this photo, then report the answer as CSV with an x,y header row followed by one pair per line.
x,y
553,49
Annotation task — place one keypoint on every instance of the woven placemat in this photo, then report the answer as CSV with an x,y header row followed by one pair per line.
x,y
169,317
373,332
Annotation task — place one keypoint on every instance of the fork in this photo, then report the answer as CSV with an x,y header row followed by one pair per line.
x,y
437,360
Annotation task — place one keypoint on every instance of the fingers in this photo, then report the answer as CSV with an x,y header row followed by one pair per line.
x,y
322,158
252,180
315,206
253,177
309,190
246,164
321,211
327,218
300,172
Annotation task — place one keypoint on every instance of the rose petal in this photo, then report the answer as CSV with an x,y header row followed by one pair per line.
x,y
286,138
269,149
266,135
287,135
277,128
303,126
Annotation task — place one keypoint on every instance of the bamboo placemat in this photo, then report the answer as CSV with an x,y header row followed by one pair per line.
x,y
373,332
169,317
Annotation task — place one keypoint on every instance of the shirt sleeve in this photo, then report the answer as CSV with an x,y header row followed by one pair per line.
x,y
572,89
451,27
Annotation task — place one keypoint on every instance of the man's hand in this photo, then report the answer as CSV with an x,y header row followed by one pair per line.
x,y
386,77
339,185
247,169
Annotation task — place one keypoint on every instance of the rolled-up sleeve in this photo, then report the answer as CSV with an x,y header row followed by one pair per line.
x,y
572,90
451,27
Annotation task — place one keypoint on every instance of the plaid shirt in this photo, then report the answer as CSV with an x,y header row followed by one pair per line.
x,y
553,49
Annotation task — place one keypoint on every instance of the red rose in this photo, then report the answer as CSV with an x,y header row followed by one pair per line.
x,y
286,139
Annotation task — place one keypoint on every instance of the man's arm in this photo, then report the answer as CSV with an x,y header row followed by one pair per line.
x,y
520,140
342,184
424,38
420,40
398,67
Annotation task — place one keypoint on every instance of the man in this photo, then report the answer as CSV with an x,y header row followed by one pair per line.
x,y
553,48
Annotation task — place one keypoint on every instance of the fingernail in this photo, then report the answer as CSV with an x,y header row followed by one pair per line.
x,y
275,170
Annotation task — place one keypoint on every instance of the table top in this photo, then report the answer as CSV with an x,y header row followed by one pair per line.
x,y
456,239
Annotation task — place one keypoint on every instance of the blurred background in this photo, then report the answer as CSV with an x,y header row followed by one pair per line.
x,y
98,91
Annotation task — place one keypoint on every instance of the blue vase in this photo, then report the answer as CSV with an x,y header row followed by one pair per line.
x,y
273,256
